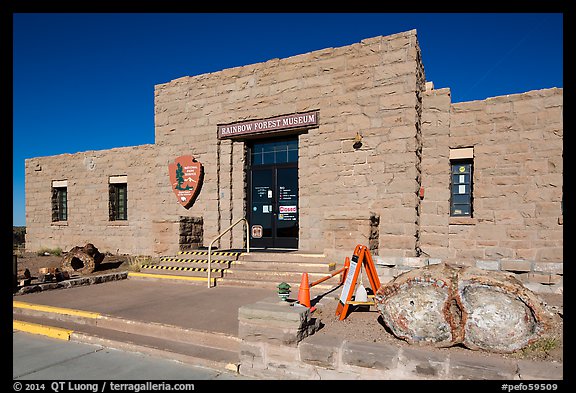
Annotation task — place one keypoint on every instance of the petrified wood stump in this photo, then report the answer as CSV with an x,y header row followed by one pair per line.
x,y
82,259
444,305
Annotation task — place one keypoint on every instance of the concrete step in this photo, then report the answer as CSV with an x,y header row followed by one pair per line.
x,y
273,284
284,266
182,270
158,275
213,350
228,255
254,269
287,256
199,263
265,275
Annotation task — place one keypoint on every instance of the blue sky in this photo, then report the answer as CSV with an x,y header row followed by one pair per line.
x,y
86,81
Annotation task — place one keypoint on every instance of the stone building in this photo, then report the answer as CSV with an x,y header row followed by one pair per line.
x,y
320,152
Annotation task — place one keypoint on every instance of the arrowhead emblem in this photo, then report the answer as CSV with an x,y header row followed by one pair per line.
x,y
186,176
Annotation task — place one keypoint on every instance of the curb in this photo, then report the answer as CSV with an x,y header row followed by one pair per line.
x,y
43,330
169,277
56,310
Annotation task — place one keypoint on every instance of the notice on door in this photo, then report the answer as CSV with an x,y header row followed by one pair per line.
x,y
287,209
287,194
287,213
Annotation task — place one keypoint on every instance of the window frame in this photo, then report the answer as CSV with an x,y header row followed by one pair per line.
x,y
59,203
118,201
469,186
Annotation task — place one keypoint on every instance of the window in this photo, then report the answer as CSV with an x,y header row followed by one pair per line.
x,y
461,188
274,152
59,204
118,198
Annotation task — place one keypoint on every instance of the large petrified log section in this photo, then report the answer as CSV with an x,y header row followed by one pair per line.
x,y
444,305
82,259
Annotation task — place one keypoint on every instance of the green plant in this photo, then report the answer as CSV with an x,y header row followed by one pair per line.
x,y
541,347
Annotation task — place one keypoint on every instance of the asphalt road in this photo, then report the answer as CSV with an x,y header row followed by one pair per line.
x,y
42,358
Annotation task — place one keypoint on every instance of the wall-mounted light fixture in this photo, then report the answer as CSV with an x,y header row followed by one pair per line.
x,y
357,141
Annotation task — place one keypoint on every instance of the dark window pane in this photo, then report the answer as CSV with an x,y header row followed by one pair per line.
x,y
281,156
461,210
460,189
268,158
460,199
278,152
292,155
461,179
461,168
256,158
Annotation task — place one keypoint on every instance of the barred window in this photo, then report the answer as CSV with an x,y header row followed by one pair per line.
x,y
59,204
118,201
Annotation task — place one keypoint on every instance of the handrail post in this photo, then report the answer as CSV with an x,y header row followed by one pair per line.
x,y
209,263
247,237
218,237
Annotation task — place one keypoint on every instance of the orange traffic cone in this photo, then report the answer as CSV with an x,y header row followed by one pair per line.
x,y
304,291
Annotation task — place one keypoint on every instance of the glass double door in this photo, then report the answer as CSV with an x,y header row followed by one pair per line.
x,y
273,196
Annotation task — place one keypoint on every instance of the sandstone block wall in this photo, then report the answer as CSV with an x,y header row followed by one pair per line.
x,y
88,221
517,177
375,88
371,87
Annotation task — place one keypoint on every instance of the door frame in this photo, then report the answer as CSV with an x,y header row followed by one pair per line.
x,y
274,241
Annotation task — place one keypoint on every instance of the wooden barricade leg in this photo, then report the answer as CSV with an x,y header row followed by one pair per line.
x,y
371,270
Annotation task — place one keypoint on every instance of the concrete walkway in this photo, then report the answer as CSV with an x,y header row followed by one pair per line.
x,y
167,318
191,306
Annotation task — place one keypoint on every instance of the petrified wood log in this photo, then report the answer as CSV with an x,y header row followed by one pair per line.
x,y
82,259
444,305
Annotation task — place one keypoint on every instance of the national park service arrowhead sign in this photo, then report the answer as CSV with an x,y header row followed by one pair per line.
x,y
186,175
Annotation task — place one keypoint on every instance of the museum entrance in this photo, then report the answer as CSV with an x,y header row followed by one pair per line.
x,y
273,193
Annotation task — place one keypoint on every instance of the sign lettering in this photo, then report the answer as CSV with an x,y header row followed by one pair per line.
x,y
273,124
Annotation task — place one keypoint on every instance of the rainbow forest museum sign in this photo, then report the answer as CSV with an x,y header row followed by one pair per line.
x,y
272,124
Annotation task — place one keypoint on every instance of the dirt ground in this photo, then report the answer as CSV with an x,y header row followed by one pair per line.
x,y
34,262
363,323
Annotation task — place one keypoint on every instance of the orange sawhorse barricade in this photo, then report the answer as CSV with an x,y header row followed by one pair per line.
x,y
350,272
361,257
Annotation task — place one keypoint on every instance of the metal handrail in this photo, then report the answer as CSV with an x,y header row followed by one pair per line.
x,y
219,236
